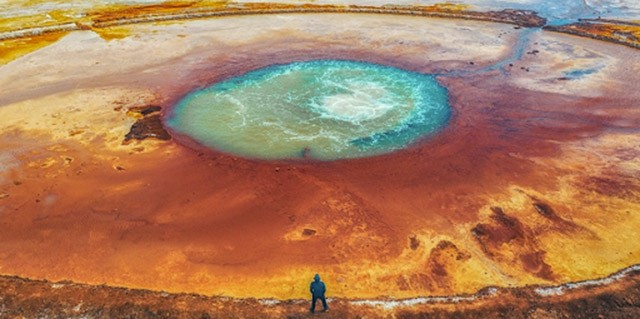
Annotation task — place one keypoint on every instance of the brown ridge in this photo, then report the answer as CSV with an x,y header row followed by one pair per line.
x,y
123,15
614,31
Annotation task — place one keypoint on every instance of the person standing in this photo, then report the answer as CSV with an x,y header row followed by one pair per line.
x,y
318,290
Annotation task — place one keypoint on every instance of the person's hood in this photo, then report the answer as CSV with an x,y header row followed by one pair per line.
x,y
316,277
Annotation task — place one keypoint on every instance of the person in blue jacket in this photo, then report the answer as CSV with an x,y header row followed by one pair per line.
x,y
317,292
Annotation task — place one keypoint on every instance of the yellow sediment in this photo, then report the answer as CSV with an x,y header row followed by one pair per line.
x,y
12,49
618,32
603,240
117,12
113,33
49,18
444,7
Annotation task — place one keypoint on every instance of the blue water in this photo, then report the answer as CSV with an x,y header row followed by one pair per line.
x,y
579,73
323,109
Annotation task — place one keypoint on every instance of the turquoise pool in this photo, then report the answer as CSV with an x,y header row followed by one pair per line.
x,y
322,109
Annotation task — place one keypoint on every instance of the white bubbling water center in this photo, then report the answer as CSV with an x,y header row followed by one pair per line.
x,y
364,101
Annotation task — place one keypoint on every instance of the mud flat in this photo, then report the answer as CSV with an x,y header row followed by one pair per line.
x,y
533,182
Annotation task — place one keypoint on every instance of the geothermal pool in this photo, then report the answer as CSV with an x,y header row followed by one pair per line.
x,y
401,157
323,109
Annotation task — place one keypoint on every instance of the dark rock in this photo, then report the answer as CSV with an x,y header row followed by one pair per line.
x,y
148,126
414,243
521,18
545,210
309,232
145,110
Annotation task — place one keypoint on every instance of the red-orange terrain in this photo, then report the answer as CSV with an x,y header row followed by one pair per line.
x,y
25,298
522,206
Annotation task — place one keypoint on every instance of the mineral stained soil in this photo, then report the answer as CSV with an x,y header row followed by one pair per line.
x,y
533,181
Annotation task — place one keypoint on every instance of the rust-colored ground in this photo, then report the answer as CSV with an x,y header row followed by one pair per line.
x,y
21,298
534,181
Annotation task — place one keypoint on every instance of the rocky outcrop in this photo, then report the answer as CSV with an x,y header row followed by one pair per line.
x,y
148,126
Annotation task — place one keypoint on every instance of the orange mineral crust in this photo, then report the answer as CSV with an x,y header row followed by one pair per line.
x,y
622,32
533,181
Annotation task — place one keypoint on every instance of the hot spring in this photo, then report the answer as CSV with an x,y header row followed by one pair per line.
x,y
323,109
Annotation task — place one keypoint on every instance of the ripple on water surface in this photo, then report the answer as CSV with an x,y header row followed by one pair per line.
x,y
324,109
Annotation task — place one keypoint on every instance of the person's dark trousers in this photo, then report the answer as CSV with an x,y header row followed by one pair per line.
x,y
313,303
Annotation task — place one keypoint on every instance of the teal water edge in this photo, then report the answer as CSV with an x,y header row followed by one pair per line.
x,y
322,109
